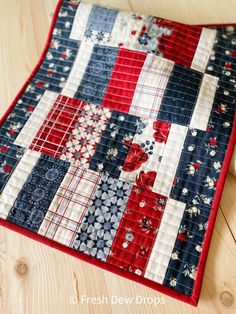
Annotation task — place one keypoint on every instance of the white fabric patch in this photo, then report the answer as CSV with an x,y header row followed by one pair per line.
x,y
126,30
63,217
202,109
16,181
170,160
33,124
78,69
152,163
165,241
80,21
151,86
204,49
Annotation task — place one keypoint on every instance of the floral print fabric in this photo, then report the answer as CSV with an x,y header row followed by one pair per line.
x,y
112,149
10,155
143,159
138,229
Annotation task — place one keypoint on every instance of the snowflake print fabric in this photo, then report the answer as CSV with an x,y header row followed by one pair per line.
x,y
86,134
37,193
101,221
117,148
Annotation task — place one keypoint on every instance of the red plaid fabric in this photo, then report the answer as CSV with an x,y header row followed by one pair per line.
x,y
56,128
151,87
63,218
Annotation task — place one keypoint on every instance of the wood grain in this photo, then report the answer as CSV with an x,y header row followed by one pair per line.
x,y
38,279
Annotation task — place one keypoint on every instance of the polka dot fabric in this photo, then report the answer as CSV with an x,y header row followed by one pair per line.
x,y
116,149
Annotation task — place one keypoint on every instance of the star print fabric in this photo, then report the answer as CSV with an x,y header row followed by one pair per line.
x,y
116,149
101,221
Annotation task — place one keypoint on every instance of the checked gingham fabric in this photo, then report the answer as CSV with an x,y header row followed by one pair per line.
x,y
115,147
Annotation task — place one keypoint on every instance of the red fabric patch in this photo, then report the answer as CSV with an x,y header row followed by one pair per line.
x,y
123,80
56,128
181,45
137,231
135,158
162,129
146,179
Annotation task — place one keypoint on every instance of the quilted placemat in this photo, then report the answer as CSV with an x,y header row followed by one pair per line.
x,y
117,147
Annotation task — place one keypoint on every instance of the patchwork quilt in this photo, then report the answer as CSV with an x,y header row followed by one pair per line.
x,y
117,147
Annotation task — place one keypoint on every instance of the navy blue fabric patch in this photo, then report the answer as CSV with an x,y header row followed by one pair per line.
x,y
102,19
102,218
65,19
222,115
21,113
57,64
209,152
180,95
112,149
38,192
222,61
199,166
182,267
10,155
52,74
97,75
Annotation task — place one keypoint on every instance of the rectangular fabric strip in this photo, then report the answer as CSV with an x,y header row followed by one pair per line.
x,y
151,86
35,121
204,48
170,159
34,198
78,69
80,21
17,181
63,217
57,127
205,100
163,247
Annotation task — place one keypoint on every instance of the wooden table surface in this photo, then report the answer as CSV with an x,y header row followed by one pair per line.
x,y
37,279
